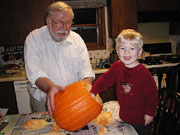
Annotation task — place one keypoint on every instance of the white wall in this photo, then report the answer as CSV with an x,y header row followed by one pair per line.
x,y
155,32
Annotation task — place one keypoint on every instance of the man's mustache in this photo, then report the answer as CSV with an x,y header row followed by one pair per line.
x,y
62,32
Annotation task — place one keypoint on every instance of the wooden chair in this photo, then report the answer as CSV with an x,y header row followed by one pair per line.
x,y
167,117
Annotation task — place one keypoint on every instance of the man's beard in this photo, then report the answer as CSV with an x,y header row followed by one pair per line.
x,y
59,38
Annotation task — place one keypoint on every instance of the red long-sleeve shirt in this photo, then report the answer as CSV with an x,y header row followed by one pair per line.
x,y
135,89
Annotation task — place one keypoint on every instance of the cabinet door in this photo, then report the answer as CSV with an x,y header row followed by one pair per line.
x,y
8,97
18,18
158,5
174,28
124,15
108,95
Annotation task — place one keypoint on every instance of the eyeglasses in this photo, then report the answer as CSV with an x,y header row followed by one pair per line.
x,y
62,24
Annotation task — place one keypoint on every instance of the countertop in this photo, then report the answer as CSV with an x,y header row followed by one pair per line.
x,y
15,77
100,71
22,76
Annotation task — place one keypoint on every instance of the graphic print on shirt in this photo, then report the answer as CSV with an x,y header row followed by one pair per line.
x,y
127,87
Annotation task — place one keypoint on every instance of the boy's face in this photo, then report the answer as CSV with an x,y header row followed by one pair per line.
x,y
129,53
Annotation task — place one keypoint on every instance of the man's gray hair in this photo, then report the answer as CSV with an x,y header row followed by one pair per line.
x,y
59,6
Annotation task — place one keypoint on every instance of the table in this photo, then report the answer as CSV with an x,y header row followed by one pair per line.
x,y
11,119
15,122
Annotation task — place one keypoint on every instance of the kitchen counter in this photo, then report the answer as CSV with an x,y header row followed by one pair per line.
x,y
100,71
161,65
16,77
22,75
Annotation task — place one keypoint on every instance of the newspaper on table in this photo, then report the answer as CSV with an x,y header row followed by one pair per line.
x,y
116,128
3,112
90,129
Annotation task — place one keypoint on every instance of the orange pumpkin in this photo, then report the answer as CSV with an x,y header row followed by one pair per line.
x,y
75,107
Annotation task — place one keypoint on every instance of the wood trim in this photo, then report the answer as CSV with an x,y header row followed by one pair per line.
x,y
101,43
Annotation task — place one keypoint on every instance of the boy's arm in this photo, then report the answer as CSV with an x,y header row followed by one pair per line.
x,y
105,81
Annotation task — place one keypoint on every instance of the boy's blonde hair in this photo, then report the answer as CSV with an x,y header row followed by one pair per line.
x,y
59,6
131,35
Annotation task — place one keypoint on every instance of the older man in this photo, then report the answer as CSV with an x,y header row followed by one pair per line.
x,y
55,56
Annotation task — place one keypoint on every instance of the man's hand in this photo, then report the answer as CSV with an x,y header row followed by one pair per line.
x,y
148,119
50,97
49,87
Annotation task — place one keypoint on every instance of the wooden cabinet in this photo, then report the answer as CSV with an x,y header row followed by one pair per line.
x,y
18,18
174,27
8,97
124,15
108,95
160,11
158,5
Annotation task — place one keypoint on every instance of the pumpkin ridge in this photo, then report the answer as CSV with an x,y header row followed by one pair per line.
x,y
75,107
64,103
78,99
62,116
66,93
83,110
71,88
81,120
75,102
80,102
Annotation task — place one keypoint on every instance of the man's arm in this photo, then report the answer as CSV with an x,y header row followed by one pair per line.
x,y
44,84
51,89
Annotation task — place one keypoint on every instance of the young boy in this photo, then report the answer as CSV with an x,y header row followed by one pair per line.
x,y
135,87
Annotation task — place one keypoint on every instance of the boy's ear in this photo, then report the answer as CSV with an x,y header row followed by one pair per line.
x,y
140,52
117,51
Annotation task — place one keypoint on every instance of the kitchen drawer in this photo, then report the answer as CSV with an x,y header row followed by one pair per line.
x,y
108,95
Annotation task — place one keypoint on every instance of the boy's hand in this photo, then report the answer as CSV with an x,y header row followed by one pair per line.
x,y
148,119
93,95
97,98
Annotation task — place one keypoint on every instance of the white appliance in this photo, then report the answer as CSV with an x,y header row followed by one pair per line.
x,y
22,96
